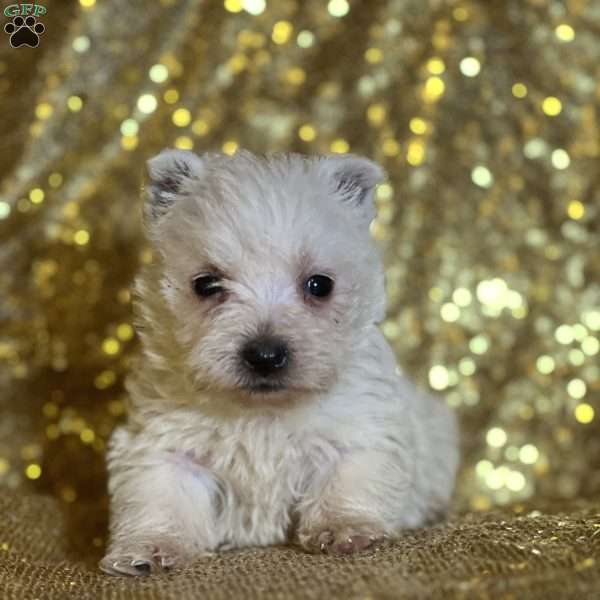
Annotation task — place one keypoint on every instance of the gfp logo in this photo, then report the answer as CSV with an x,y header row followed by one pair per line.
x,y
24,29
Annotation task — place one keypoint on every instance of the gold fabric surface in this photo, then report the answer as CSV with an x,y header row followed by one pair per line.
x,y
492,555
484,114
496,555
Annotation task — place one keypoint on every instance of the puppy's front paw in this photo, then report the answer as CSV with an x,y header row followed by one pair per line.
x,y
341,540
143,560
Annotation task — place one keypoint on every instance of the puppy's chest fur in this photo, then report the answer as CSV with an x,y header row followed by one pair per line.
x,y
259,468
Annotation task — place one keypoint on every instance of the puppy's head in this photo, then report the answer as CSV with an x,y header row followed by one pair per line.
x,y
266,266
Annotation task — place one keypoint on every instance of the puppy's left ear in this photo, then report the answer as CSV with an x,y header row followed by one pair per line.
x,y
169,173
354,179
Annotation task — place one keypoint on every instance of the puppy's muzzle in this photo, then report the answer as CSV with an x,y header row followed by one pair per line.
x,y
266,356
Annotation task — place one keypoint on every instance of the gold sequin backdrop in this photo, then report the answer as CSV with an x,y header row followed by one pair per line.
x,y
485,115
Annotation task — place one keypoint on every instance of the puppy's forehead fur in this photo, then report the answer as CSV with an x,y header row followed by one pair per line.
x,y
285,207
263,199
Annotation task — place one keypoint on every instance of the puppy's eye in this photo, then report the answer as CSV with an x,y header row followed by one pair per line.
x,y
319,286
207,285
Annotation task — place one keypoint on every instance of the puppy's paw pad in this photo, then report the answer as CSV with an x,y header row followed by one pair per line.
x,y
150,561
341,542
356,543
126,565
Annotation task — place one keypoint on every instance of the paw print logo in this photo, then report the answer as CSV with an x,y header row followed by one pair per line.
x,y
24,32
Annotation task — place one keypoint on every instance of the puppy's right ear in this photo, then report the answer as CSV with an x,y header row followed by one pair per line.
x,y
170,172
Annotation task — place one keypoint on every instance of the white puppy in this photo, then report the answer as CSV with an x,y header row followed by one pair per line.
x,y
266,406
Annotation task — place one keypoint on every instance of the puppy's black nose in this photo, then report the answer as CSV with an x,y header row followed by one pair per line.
x,y
265,356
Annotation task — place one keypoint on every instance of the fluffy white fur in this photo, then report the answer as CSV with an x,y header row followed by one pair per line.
x,y
346,452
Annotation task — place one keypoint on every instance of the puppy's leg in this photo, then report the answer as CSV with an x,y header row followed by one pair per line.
x,y
366,499
164,510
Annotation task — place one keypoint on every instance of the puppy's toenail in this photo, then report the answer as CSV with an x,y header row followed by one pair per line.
x,y
142,566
